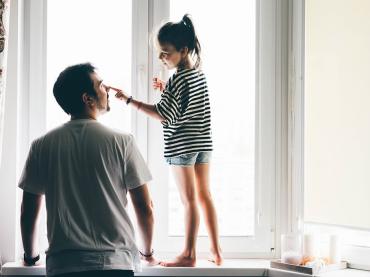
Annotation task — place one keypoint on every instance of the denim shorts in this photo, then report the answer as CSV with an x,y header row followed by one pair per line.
x,y
190,159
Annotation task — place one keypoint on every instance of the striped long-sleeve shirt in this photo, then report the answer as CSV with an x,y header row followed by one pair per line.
x,y
185,107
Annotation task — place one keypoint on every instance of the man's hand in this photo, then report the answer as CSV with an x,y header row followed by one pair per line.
x,y
31,261
150,261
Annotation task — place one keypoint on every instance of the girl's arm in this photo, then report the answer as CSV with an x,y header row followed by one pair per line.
x,y
148,109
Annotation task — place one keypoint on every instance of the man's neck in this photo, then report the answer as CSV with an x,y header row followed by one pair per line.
x,y
83,116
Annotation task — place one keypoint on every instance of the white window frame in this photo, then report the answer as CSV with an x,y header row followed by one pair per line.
x,y
29,116
24,114
140,71
296,115
8,170
268,110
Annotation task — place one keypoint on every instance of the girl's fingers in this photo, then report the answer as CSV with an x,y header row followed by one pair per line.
x,y
116,89
119,95
157,80
158,84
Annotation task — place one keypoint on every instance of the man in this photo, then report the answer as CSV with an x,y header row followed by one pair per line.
x,y
85,171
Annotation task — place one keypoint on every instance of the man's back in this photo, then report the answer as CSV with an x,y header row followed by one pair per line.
x,y
85,170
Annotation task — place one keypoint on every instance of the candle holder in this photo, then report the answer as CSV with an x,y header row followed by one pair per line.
x,y
291,248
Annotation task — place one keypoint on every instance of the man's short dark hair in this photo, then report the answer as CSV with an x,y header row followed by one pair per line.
x,y
71,84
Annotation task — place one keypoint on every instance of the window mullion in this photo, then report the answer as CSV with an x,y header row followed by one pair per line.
x,y
158,11
37,68
296,114
140,70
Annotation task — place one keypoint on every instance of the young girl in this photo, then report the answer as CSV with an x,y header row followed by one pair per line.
x,y
184,112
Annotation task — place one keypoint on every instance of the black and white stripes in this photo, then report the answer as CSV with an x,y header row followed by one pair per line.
x,y
186,110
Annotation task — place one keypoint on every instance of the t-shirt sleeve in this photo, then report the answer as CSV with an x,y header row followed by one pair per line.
x,y
136,172
168,106
31,178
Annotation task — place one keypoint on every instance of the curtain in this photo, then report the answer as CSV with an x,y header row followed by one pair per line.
x,y
4,28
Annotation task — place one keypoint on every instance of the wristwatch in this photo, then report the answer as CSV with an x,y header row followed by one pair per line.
x,y
30,261
129,100
147,255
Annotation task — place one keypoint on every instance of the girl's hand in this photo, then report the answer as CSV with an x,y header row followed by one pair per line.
x,y
120,94
158,84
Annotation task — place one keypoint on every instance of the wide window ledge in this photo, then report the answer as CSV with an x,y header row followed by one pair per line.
x,y
242,267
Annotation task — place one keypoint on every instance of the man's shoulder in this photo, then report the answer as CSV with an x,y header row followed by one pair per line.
x,y
47,135
100,132
95,131
107,131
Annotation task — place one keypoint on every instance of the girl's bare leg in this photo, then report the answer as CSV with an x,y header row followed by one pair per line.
x,y
185,179
208,208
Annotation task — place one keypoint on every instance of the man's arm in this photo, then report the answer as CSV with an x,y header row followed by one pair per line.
x,y
30,211
144,212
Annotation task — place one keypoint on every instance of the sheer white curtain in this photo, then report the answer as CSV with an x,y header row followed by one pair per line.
x,y
4,19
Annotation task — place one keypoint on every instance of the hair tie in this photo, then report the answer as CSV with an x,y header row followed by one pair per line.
x,y
183,22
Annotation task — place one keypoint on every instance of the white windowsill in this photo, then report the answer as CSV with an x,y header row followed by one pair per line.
x,y
237,267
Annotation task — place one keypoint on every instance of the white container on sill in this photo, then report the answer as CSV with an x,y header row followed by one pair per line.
x,y
291,248
310,246
334,250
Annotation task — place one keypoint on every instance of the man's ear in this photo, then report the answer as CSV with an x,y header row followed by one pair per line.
x,y
87,99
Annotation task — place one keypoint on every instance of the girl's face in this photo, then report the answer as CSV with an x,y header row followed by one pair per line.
x,y
170,57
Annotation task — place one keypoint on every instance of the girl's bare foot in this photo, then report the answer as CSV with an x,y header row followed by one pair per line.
x,y
216,257
180,261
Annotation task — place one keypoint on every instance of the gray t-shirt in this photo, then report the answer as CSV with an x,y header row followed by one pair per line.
x,y
85,170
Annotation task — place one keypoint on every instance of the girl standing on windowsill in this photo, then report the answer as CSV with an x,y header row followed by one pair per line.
x,y
184,111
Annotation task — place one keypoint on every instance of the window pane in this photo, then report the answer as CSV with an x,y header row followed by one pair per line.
x,y
227,37
84,33
77,32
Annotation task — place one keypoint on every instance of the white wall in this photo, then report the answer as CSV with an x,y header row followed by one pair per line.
x,y
337,112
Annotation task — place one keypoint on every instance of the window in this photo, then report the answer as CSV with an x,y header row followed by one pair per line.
x,y
229,64
240,64
90,35
243,119
104,39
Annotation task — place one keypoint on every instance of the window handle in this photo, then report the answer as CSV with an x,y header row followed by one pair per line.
x,y
258,215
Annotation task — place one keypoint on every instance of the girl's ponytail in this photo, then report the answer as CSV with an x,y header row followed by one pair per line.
x,y
193,42
181,34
